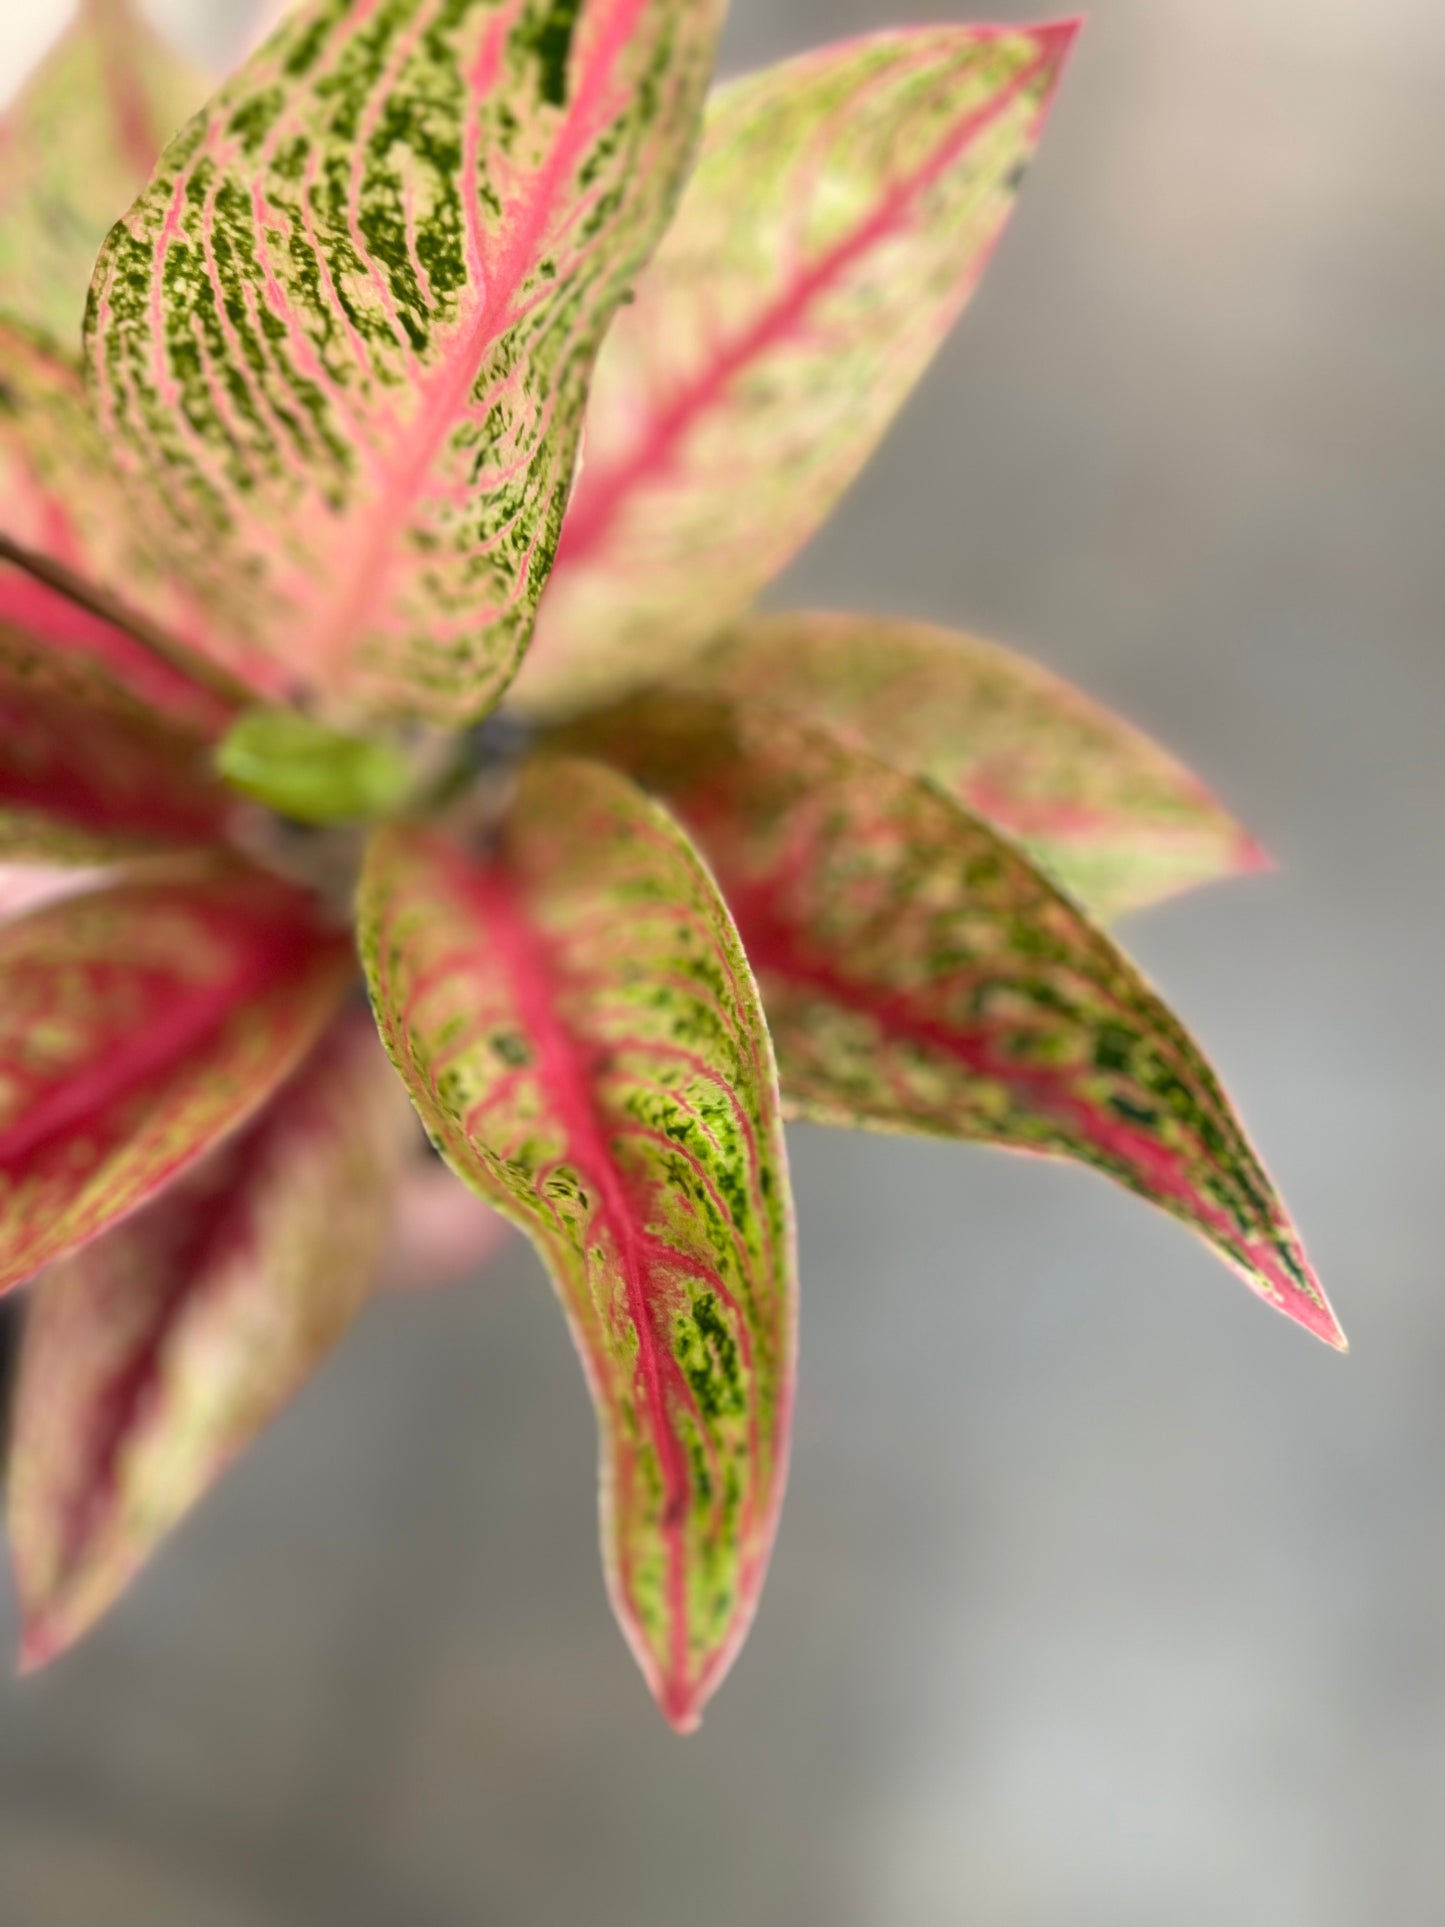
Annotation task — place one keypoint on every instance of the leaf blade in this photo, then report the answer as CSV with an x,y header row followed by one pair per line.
x,y
921,975
152,1358
63,506
1099,806
75,148
141,1025
87,776
346,333
842,210
622,1111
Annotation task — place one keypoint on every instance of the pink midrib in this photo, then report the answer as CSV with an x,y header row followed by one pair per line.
x,y
531,970
775,945
603,492
217,1219
146,1055
447,395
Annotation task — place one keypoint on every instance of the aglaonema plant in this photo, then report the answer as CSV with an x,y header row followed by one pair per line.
x,y
332,446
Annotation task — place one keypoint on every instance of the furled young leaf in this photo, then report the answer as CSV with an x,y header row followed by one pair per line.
x,y
139,1027
86,778
1107,812
75,149
64,506
305,771
921,975
842,211
154,1356
347,331
577,1025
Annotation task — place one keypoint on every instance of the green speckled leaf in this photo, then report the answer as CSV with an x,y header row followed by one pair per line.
x,y
63,504
577,1025
154,1357
844,207
921,975
1100,807
346,334
75,149
139,1027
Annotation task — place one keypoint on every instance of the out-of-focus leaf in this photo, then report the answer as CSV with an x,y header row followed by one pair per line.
x,y
1115,818
843,209
75,149
139,1027
63,503
921,975
310,773
347,331
87,777
153,1357
577,1025
27,886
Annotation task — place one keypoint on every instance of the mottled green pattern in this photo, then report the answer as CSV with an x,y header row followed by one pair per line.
x,y
140,1026
578,1027
346,334
62,499
155,1356
921,975
1108,813
75,149
843,209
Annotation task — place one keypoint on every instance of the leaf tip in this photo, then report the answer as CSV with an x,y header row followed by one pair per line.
x,y
682,1709
1310,1307
41,1642
1251,858
1056,37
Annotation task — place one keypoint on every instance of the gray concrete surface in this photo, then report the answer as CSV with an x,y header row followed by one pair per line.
x,y
1104,1599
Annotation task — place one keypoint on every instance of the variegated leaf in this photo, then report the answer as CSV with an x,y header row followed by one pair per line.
x,y
25,887
577,1025
1103,809
75,149
921,975
347,331
153,1358
89,778
64,507
139,1027
842,211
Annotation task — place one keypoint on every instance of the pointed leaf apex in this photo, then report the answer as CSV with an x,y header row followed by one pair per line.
x,y
1055,40
1317,1315
39,1645
1253,859
683,1713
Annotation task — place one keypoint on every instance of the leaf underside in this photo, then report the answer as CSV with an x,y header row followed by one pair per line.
x,y
75,149
577,1025
139,1027
154,1356
843,209
1108,813
921,975
345,335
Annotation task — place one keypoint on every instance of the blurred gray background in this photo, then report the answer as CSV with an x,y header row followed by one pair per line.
x,y
1103,1598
